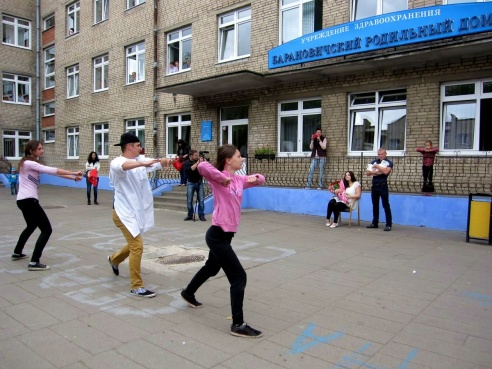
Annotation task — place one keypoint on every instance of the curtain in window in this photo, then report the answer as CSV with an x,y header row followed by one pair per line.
x,y
73,145
363,130
8,33
73,85
288,134
9,147
393,128
309,125
308,18
141,67
459,126
290,26
244,39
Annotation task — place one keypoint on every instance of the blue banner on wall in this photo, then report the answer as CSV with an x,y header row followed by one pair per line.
x,y
206,130
383,31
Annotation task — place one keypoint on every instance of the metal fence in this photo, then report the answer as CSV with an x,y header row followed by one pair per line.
x,y
458,175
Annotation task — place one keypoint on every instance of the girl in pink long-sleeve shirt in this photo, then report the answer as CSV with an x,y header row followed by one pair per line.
x,y
227,188
27,201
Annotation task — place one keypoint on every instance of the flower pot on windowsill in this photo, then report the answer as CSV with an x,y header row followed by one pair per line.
x,y
265,156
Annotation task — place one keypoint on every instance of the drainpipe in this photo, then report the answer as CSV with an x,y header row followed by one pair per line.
x,y
38,63
155,103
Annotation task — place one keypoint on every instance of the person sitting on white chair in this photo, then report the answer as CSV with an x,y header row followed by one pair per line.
x,y
352,193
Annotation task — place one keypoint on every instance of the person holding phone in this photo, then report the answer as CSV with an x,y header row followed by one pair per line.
x,y
318,157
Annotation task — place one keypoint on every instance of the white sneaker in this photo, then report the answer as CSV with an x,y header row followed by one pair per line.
x,y
328,224
334,225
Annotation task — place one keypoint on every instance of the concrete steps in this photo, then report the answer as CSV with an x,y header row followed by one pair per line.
x,y
172,200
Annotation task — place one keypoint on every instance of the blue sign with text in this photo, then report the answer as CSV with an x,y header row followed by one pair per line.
x,y
383,31
207,130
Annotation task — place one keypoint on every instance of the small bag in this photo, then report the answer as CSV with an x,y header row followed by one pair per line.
x,y
86,173
178,165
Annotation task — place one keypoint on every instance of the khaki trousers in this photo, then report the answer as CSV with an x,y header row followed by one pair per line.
x,y
133,249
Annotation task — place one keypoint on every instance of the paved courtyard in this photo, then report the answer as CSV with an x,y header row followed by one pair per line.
x,y
324,298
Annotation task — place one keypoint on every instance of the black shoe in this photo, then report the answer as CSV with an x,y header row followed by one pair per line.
x,y
18,256
142,292
96,203
372,226
203,219
116,271
188,218
387,228
88,202
38,266
245,330
190,300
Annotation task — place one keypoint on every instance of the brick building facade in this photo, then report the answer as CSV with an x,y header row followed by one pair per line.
x,y
112,73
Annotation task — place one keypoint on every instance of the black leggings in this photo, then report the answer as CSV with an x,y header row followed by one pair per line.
x,y
222,255
335,207
35,217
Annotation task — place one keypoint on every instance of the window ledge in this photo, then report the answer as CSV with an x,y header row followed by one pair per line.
x,y
241,58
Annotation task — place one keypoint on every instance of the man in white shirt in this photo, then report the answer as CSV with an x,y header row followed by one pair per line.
x,y
133,211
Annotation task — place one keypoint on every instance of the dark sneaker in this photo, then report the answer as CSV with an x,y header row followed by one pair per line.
x,y
188,218
142,292
18,256
96,203
116,271
372,226
245,330
190,300
387,228
38,266
203,219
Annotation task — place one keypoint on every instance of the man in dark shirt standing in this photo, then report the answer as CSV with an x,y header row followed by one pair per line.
x,y
380,170
194,184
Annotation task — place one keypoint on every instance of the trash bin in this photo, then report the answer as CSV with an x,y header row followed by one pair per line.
x,y
479,217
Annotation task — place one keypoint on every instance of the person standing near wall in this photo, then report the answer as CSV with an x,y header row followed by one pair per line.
x,y
318,157
27,201
183,153
13,180
133,206
227,188
429,154
91,164
380,170
195,184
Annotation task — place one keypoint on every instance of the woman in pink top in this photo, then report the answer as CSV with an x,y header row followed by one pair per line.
x,y
27,201
227,188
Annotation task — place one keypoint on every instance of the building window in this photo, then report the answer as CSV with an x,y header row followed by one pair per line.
x,y
49,109
73,81
378,119
49,22
133,3
235,34
101,65
14,142
299,17
49,67
179,50
137,127
49,135
369,8
101,139
73,18
135,63
73,143
16,89
298,120
16,32
101,10
466,116
177,127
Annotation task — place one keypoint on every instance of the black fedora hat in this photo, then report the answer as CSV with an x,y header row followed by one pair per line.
x,y
127,138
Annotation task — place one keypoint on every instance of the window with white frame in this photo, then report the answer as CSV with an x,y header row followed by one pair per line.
x,y
101,139
101,65
101,10
73,18
370,8
73,81
235,34
179,50
49,109
49,67
16,32
16,89
72,142
177,127
49,22
378,119
466,116
135,63
299,17
14,142
137,127
298,120
133,3
49,135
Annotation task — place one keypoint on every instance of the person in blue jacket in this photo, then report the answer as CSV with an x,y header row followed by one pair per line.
x,y
14,181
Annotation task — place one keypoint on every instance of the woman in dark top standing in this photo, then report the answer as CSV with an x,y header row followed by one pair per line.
x,y
183,153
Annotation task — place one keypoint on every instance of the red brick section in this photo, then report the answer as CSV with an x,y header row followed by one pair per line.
x,y
47,122
48,94
48,36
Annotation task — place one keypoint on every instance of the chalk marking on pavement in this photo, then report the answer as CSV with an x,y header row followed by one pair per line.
x,y
486,299
301,344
